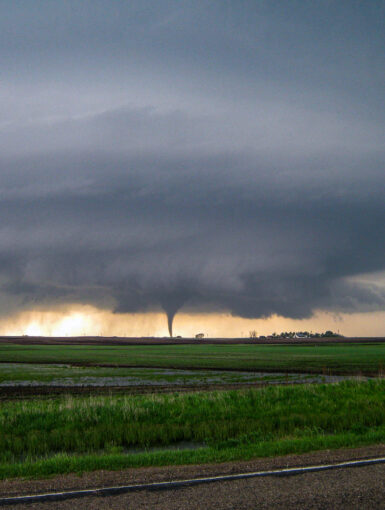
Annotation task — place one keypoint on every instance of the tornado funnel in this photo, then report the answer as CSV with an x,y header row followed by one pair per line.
x,y
170,320
171,303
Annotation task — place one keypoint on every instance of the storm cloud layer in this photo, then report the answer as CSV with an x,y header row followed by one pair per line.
x,y
207,155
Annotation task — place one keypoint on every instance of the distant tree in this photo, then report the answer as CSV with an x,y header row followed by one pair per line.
x,y
253,333
330,334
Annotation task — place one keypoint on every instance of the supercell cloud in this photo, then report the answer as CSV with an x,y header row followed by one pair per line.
x,y
206,155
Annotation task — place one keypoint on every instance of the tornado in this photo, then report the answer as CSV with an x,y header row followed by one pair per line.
x,y
171,303
170,320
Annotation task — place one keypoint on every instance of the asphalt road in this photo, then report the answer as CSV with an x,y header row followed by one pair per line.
x,y
358,488
349,488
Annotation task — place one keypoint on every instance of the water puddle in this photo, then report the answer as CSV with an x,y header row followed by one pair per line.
x,y
59,376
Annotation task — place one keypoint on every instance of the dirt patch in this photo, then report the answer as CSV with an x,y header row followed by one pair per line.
x,y
23,392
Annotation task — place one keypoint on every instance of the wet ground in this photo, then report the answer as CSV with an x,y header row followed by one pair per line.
x,y
15,374
28,380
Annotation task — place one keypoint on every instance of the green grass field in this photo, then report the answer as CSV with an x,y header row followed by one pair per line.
x,y
338,358
14,374
43,437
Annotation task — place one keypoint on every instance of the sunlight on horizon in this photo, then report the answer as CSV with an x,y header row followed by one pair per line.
x,y
83,320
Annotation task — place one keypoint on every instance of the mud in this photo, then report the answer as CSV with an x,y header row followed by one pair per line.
x,y
23,392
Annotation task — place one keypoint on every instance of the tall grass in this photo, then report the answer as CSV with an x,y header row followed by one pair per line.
x,y
32,430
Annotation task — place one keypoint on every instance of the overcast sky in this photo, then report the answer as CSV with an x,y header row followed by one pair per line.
x,y
223,156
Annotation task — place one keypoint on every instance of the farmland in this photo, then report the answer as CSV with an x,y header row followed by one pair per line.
x,y
339,359
246,403
23,375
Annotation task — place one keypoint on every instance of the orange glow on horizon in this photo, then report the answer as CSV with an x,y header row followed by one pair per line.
x,y
84,320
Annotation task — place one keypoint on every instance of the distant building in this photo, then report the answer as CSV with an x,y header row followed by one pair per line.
x,y
199,335
301,335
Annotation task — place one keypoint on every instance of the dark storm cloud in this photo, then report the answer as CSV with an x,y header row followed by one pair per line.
x,y
216,157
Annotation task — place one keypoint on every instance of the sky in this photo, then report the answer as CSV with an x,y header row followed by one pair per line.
x,y
220,161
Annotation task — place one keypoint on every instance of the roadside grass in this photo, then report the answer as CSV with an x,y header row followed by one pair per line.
x,y
63,463
39,438
337,358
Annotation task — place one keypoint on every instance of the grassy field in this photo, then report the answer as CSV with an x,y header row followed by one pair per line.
x,y
75,434
14,374
339,358
63,434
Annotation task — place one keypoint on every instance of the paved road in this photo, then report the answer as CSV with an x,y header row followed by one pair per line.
x,y
353,488
350,488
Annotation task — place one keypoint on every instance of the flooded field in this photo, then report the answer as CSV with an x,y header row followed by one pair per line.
x,y
61,375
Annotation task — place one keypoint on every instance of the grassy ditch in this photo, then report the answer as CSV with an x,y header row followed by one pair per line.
x,y
38,438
